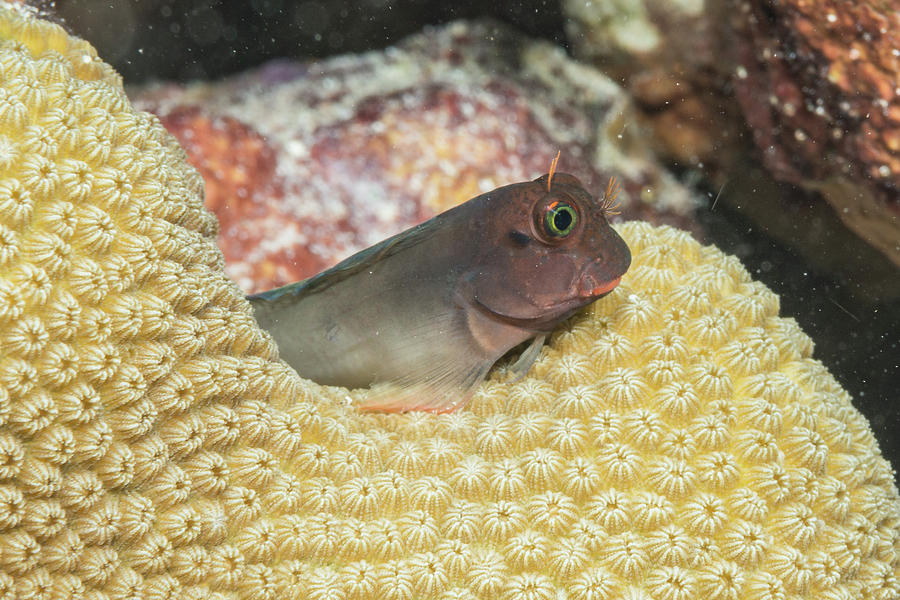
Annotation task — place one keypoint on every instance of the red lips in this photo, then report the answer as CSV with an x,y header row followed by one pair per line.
x,y
590,287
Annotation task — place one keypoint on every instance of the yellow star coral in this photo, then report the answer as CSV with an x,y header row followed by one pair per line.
x,y
675,441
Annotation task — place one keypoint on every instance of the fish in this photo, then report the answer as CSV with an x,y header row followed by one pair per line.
x,y
419,319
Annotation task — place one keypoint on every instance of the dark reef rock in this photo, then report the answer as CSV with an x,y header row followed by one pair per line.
x,y
830,117
669,56
815,83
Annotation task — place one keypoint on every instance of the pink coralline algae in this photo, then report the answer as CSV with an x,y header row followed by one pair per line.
x,y
316,161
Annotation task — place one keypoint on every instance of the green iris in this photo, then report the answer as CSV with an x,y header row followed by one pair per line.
x,y
559,219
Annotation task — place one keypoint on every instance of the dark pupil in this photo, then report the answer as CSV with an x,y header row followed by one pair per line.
x,y
562,219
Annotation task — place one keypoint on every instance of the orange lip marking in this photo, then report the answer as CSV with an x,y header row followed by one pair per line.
x,y
606,287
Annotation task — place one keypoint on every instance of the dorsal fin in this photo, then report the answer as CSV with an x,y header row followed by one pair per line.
x,y
353,264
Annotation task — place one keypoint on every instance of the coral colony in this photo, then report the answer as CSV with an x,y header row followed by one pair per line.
x,y
674,441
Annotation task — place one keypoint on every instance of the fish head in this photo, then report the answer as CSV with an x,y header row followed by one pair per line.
x,y
551,252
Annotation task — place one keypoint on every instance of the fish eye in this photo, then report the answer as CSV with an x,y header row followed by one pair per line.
x,y
559,219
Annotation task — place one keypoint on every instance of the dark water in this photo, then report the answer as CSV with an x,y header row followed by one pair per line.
x,y
191,39
855,327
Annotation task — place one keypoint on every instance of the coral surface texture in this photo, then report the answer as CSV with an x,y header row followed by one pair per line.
x,y
675,441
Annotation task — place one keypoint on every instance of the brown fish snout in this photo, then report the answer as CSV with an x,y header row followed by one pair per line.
x,y
598,279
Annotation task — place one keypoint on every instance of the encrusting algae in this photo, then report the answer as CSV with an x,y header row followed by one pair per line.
x,y
676,441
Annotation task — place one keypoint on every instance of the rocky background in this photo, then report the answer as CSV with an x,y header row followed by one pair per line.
x,y
770,129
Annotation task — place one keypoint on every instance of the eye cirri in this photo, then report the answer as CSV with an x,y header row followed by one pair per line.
x,y
557,220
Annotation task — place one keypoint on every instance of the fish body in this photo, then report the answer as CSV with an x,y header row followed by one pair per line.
x,y
422,316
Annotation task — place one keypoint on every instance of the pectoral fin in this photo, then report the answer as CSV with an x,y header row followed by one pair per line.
x,y
439,389
443,388
433,366
519,368
441,358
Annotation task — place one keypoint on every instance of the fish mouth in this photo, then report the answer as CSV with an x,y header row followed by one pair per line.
x,y
601,276
590,288
592,284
